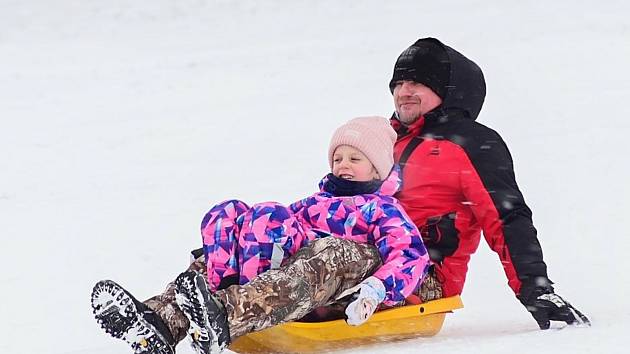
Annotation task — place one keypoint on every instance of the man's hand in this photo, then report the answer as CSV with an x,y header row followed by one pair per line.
x,y
545,305
366,297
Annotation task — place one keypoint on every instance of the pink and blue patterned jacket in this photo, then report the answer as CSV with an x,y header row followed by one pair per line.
x,y
242,241
377,219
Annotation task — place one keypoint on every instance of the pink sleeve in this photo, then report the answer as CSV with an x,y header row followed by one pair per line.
x,y
405,259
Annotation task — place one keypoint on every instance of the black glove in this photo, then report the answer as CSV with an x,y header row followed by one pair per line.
x,y
545,305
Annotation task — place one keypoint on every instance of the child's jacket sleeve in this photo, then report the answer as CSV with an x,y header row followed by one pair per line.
x,y
405,259
297,206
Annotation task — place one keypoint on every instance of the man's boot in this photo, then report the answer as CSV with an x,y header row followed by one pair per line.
x,y
124,317
209,329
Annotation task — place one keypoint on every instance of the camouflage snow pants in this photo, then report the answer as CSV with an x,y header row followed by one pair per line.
x,y
311,278
165,306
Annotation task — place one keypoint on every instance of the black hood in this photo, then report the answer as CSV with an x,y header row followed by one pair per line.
x,y
461,84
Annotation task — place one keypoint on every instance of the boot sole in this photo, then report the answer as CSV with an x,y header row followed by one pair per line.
x,y
115,310
193,297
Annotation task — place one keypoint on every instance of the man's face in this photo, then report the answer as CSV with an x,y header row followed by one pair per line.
x,y
413,100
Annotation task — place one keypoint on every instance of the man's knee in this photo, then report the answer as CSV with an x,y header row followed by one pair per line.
x,y
331,242
337,244
347,252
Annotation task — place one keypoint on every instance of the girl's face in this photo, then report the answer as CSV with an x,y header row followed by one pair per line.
x,y
351,164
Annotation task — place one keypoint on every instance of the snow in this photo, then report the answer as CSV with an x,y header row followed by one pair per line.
x,y
124,121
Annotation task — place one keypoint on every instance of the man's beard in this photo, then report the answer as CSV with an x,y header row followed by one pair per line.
x,y
408,118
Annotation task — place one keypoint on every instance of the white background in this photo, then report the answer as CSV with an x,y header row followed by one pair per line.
x,y
122,122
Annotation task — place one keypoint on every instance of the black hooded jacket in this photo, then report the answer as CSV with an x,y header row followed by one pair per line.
x,y
458,180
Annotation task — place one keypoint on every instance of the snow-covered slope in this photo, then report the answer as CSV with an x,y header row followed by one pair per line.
x,y
123,121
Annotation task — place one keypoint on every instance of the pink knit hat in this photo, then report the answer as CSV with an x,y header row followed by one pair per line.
x,y
373,136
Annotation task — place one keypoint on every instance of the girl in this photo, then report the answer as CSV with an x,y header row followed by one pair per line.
x,y
350,243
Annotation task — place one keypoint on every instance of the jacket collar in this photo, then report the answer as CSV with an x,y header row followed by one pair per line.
x,y
389,187
403,130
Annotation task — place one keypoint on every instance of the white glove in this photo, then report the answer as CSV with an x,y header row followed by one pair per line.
x,y
368,295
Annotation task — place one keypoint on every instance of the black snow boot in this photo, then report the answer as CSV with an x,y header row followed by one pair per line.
x,y
124,317
209,329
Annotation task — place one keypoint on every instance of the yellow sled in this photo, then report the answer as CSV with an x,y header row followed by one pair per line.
x,y
423,320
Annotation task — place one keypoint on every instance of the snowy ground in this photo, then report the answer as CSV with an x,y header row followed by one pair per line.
x,y
123,121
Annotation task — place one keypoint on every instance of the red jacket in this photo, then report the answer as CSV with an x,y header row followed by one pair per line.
x,y
458,180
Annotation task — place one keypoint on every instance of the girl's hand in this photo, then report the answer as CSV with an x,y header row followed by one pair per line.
x,y
367,295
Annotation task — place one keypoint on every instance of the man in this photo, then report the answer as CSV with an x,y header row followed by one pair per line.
x,y
459,179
